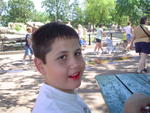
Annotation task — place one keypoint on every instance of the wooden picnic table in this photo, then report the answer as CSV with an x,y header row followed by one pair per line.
x,y
117,88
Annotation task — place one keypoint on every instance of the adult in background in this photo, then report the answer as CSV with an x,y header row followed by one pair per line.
x,y
80,31
99,35
28,48
141,38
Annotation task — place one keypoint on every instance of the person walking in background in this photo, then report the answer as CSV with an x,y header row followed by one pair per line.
x,y
80,31
99,35
141,38
28,43
128,30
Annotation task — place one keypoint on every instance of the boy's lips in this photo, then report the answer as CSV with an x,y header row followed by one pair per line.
x,y
75,76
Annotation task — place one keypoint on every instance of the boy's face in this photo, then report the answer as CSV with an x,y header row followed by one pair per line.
x,y
64,65
29,30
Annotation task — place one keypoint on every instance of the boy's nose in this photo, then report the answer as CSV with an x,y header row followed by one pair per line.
x,y
76,63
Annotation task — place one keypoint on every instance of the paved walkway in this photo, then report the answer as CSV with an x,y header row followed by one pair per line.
x,y
19,83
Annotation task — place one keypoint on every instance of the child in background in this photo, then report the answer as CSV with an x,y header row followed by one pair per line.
x,y
58,58
109,44
83,43
28,43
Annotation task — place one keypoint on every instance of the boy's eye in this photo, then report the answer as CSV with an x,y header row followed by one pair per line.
x,y
62,57
78,53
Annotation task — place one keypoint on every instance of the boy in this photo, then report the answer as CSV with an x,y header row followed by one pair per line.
x,y
28,49
58,58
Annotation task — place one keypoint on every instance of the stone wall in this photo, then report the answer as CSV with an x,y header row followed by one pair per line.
x,y
11,39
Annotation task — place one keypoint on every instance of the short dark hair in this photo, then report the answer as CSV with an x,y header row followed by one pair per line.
x,y
143,20
100,25
129,23
29,29
44,37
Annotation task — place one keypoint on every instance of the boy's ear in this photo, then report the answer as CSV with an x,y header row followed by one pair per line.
x,y
39,65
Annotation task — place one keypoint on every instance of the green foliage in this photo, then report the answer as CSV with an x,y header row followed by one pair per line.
x,y
99,11
133,9
57,9
145,6
2,6
19,10
76,14
40,17
17,28
2,10
92,11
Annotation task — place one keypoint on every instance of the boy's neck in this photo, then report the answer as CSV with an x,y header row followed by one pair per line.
x,y
64,90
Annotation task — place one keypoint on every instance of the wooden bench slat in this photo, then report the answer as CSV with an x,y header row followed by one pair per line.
x,y
135,83
114,93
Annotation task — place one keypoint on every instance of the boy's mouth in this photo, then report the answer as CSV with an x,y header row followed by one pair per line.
x,y
75,76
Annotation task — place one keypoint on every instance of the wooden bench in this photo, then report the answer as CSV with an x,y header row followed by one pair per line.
x,y
117,88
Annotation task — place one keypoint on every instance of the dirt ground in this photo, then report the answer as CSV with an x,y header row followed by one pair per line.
x,y
19,83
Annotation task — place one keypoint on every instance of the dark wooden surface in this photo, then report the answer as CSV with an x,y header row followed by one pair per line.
x,y
117,88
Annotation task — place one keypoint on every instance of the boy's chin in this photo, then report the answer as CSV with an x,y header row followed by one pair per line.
x,y
77,85
73,88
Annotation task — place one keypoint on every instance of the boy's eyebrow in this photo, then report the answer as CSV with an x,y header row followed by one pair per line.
x,y
61,52
79,49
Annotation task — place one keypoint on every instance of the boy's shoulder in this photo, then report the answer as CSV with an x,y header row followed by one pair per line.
x,y
51,100
44,102
50,107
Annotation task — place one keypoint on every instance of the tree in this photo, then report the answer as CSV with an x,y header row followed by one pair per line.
x,y
134,9
2,6
40,17
145,6
57,9
19,10
2,10
76,14
99,11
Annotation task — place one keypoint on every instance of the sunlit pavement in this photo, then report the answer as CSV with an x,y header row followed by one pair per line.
x,y
19,83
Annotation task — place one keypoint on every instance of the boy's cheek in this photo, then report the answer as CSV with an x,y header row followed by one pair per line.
x,y
83,65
